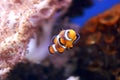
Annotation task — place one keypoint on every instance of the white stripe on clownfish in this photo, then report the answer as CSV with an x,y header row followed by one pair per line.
x,y
54,48
66,35
59,42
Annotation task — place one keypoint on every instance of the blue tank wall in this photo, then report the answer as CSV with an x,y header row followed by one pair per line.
x,y
98,7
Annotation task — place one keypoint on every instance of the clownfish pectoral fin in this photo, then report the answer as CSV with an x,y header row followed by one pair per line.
x,y
78,37
61,41
52,49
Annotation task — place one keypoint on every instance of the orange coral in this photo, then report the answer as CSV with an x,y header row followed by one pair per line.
x,y
98,31
109,18
103,38
93,38
91,25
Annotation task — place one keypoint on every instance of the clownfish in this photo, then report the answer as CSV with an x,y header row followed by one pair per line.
x,y
64,40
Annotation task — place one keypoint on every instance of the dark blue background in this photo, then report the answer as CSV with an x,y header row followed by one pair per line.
x,y
98,7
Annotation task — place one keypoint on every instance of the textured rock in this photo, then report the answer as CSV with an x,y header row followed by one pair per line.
x,y
19,20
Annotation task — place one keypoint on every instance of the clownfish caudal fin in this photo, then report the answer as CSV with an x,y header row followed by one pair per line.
x,y
52,39
52,49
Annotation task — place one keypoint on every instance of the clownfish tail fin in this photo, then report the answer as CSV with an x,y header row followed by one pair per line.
x,y
52,49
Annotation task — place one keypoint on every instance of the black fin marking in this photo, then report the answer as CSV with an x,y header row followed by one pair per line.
x,y
78,37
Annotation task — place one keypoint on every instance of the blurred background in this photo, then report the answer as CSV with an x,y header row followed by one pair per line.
x,y
97,7
86,61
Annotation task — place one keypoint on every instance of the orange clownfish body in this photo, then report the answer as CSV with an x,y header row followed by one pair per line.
x,y
64,40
